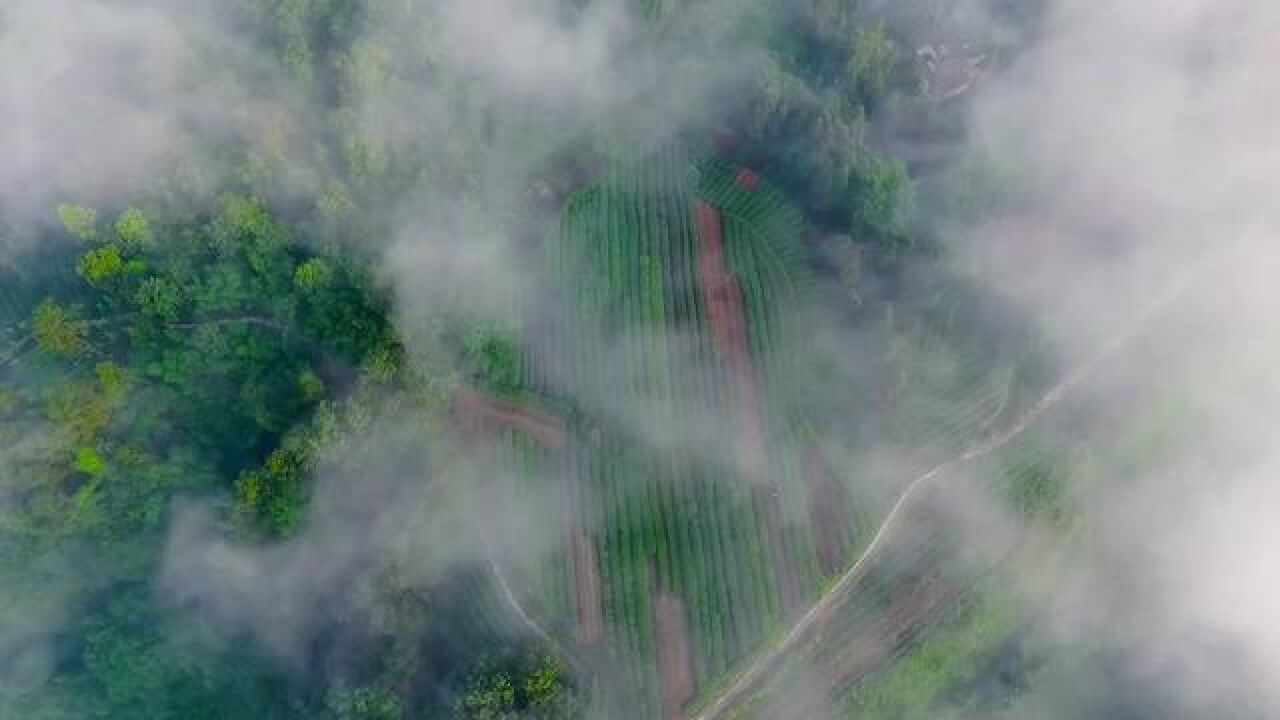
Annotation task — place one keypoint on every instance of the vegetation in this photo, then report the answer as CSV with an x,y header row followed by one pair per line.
x,y
661,508
239,337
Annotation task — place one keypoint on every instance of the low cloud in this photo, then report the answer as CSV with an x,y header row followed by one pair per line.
x,y
1144,135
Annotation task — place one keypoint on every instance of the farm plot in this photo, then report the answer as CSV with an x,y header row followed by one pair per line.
x,y
688,508
698,516
931,571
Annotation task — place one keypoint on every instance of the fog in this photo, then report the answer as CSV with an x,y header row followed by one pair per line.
x,y
1141,138
1145,132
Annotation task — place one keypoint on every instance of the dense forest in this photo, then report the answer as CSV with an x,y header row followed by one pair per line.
x,y
289,368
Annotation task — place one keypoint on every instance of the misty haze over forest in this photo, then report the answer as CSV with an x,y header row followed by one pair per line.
x,y
630,359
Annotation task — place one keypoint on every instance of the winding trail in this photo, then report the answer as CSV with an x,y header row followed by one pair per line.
x,y
527,620
745,681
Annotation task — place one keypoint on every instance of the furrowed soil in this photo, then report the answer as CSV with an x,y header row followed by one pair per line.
x,y
827,497
727,326
675,658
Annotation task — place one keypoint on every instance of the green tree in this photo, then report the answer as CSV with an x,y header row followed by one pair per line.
x,y
79,220
88,461
84,406
530,687
59,329
310,384
871,63
159,297
313,275
548,694
493,358
133,228
489,696
101,264
883,200
364,704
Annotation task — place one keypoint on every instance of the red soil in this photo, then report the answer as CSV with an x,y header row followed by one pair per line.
x,y
586,575
747,180
827,505
877,644
583,565
483,412
727,325
675,658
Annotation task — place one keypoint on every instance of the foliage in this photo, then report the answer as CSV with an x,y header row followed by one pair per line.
x,y
547,692
133,229
179,367
882,199
314,274
59,329
365,704
492,357
950,657
1036,488
88,461
159,297
872,62
529,690
490,697
227,341
100,264
79,220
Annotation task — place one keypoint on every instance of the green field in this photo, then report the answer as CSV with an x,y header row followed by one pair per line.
x,y
655,475
655,410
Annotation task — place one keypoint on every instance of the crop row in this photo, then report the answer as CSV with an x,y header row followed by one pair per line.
x,y
639,349
648,477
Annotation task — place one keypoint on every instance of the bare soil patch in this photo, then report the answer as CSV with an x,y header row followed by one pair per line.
x,y
482,412
584,567
675,659
727,325
586,576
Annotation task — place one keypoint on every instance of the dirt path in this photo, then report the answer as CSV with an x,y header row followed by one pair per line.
x,y
587,594
675,657
747,679
513,602
584,567
475,409
727,324
481,410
